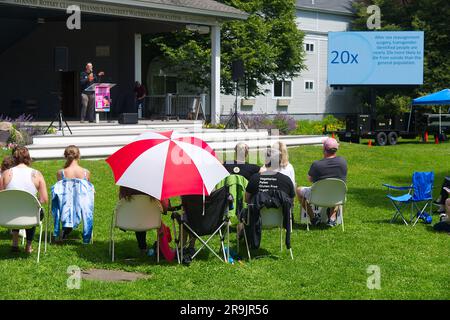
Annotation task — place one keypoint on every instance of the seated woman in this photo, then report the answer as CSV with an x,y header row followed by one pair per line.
x,y
141,237
286,167
72,170
23,177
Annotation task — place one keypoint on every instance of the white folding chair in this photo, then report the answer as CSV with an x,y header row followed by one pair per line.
x,y
139,214
270,218
273,218
327,193
20,210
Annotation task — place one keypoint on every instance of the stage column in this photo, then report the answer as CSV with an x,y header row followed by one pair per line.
x,y
138,57
215,74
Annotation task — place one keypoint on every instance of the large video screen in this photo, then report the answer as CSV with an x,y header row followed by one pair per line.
x,y
375,58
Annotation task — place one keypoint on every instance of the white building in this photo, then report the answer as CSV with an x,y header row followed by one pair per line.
x,y
307,96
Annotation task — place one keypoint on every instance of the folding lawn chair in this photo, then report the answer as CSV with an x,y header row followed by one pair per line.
x,y
203,216
20,210
237,185
421,190
327,193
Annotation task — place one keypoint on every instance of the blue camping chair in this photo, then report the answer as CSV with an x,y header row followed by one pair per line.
x,y
420,191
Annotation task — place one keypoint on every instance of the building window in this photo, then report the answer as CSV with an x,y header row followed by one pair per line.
x,y
163,85
309,85
248,88
282,89
309,47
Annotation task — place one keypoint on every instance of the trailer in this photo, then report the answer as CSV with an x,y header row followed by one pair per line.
x,y
386,130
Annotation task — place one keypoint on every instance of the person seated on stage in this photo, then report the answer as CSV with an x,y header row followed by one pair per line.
x,y
88,78
331,166
7,163
23,177
240,165
141,237
72,170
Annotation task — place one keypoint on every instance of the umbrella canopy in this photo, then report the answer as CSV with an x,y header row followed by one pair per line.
x,y
167,164
438,98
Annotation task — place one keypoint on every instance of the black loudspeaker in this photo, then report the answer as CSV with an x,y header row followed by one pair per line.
x,y
128,118
61,59
238,70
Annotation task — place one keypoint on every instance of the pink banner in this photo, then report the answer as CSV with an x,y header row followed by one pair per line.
x,y
102,99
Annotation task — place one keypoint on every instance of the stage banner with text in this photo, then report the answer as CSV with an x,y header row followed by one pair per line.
x,y
102,99
376,58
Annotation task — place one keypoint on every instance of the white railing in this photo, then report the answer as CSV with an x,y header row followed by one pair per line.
x,y
174,105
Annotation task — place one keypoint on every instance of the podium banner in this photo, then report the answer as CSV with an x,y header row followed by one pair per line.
x,y
102,99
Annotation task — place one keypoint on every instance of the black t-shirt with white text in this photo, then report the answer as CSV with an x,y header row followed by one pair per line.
x,y
270,180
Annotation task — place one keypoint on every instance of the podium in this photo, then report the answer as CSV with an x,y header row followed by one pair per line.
x,y
102,102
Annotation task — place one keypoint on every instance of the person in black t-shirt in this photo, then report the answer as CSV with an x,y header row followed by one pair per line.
x,y
270,179
331,166
240,166
88,78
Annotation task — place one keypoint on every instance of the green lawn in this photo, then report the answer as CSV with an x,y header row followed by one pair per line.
x,y
329,263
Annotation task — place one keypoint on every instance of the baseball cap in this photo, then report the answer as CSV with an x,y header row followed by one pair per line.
x,y
330,144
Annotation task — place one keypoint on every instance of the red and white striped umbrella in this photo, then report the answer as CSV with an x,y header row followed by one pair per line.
x,y
167,164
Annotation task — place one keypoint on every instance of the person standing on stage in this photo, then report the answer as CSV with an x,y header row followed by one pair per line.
x,y
87,79
140,92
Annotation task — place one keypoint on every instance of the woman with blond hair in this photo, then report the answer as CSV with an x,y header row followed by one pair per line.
x,y
285,167
23,177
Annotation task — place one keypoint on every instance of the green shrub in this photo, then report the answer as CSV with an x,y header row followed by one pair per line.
x,y
317,127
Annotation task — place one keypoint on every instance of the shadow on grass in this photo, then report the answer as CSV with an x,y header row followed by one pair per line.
x,y
7,254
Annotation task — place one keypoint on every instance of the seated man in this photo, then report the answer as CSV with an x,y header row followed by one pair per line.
x,y
331,166
240,165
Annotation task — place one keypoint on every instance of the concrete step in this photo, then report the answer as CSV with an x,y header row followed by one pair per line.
x,y
105,149
124,136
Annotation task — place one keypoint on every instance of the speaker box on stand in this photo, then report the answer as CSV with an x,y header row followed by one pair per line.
x,y
61,59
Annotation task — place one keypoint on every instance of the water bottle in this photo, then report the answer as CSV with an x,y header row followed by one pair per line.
x,y
230,202
427,218
151,252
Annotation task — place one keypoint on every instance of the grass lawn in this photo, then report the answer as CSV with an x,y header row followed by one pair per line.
x,y
329,263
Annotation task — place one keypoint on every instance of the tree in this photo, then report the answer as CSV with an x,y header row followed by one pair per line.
x,y
268,42
430,16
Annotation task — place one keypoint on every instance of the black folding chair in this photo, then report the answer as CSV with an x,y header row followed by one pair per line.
x,y
203,216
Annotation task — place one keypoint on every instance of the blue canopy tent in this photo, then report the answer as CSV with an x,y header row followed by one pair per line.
x,y
438,98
